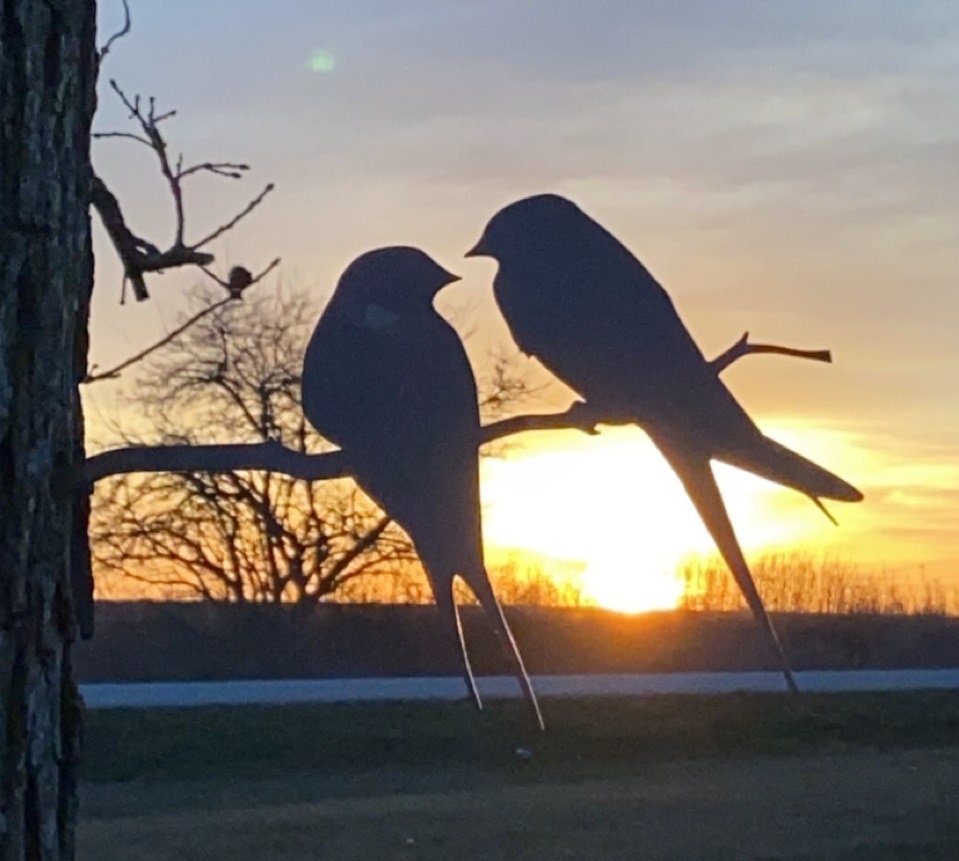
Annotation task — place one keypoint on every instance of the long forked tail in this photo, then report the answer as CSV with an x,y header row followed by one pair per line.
x,y
700,484
482,589
773,461
452,626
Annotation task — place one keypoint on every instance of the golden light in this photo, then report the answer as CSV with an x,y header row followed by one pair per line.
x,y
608,501
612,503
609,584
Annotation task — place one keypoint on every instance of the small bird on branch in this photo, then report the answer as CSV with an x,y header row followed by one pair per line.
x,y
386,378
577,299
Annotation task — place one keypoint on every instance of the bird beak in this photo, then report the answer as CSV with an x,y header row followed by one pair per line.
x,y
446,278
479,250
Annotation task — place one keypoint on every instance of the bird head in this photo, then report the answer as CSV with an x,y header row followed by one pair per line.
x,y
528,228
391,282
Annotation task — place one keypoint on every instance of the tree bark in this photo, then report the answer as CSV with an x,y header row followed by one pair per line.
x,y
48,66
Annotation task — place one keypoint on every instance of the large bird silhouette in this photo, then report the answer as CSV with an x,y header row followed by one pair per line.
x,y
577,299
387,379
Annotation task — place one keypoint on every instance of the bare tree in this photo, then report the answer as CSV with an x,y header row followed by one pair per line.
x,y
237,536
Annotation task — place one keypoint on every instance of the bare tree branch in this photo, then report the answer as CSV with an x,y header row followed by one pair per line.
x,y
223,228
360,547
112,373
239,280
118,35
138,256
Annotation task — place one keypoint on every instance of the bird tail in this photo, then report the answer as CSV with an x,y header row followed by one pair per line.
x,y
771,460
483,590
478,581
452,626
697,478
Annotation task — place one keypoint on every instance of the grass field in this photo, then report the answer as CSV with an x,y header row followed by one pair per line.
x,y
751,776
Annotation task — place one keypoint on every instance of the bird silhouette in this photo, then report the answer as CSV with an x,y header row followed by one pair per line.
x,y
577,299
386,378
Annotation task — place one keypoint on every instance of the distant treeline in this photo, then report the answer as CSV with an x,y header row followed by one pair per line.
x,y
180,641
790,582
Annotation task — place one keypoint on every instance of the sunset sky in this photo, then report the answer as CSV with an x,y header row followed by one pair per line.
x,y
789,169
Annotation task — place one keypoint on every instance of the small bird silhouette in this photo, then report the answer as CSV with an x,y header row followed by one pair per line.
x,y
577,299
386,378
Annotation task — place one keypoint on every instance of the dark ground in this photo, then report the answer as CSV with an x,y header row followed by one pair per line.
x,y
177,641
865,776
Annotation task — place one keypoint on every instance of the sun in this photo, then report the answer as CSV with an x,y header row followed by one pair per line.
x,y
609,584
611,503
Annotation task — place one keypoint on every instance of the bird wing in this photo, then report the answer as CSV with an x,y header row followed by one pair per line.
x,y
401,401
598,320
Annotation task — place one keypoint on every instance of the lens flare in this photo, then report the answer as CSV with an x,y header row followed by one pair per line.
x,y
322,61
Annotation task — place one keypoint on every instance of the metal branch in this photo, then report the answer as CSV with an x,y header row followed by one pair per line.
x,y
274,457
743,348
271,456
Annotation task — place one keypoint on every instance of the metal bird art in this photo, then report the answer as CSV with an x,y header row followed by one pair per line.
x,y
577,299
387,379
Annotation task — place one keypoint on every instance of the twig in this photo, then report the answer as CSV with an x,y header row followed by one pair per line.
x,y
139,257
115,371
743,348
118,35
228,169
130,135
239,278
223,228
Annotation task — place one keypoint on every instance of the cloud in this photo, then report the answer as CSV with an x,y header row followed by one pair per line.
x,y
782,167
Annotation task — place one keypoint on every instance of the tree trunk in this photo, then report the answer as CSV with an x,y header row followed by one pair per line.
x,y
47,97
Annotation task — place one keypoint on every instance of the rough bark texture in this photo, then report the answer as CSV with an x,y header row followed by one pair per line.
x,y
47,76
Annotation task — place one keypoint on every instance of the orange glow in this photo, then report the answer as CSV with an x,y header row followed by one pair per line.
x,y
611,503
609,584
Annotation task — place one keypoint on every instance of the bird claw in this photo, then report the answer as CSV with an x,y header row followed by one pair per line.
x,y
582,416
824,510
